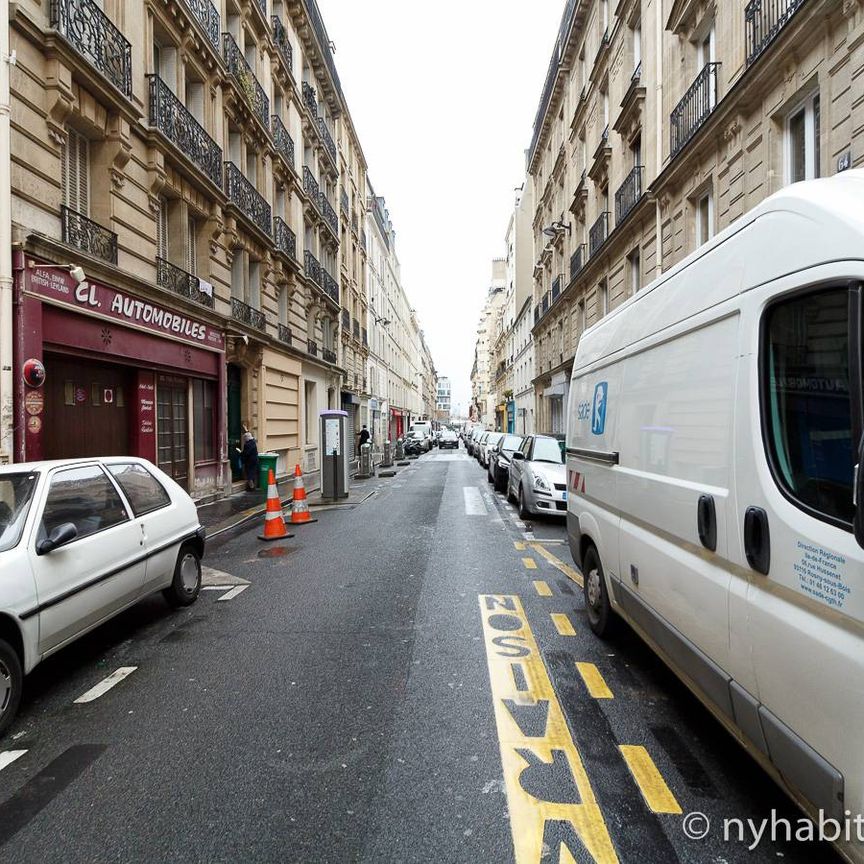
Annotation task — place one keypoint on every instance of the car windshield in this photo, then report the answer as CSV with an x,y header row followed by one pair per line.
x,y
16,493
510,443
494,438
548,450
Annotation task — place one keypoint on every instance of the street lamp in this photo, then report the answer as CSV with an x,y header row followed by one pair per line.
x,y
556,228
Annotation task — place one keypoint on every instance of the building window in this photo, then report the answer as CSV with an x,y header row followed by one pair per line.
x,y
192,245
602,299
309,405
204,419
237,288
162,229
635,269
283,306
704,219
637,45
254,296
802,141
75,172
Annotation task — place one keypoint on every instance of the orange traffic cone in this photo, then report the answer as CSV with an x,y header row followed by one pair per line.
x,y
300,514
274,521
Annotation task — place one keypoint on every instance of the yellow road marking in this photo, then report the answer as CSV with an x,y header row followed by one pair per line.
x,y
530,563
563,624
538,754
658,796
566,569
542,588
594,681
519,545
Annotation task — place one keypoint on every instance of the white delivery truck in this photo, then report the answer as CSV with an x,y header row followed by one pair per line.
x,y
714,440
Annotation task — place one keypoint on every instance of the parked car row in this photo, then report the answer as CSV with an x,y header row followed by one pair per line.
x,y
528,469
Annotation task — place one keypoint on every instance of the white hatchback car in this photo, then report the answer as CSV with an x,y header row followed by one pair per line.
x,y
81,540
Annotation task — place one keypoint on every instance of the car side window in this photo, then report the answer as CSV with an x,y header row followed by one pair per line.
x,y
526,447
85,497
806,405
144,491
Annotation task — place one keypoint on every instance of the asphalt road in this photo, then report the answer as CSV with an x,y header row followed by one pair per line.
x,y
401,682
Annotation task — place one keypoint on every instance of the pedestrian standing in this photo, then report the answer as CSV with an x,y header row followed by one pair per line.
x,y
364,435
249,460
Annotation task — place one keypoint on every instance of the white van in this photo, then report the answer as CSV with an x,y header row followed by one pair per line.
x,y
714,433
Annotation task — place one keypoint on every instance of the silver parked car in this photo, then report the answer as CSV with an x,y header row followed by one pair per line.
x,y
488,441
538,478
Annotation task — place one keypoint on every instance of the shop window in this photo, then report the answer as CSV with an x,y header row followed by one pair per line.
x,y
86,498
75,172
802,141
204,416
143,491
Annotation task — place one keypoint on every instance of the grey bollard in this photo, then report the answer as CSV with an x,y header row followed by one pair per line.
x,y
365,461
400,449
387,459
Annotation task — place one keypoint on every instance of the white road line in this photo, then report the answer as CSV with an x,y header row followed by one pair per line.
x,y
474,504
232,593
104,686
216,587
7,757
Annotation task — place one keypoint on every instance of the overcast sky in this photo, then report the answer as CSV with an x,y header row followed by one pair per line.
x,y
443,98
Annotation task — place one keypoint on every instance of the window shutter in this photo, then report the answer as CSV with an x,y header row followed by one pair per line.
x,y
162,229
191,241
74,172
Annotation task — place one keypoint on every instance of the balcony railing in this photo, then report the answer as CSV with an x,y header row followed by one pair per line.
x,y
180,282
312,347
246,314
576,261
329,214
556,288
207,16
246,80
247,199
88,236
355,329
698,102
343,202
93,35
763,20
283,140
328,354
283,46
312,267
598,233
285,239
309,98
346,320
285,334
171,117
310,187
628,194
330,286
329,144
262,5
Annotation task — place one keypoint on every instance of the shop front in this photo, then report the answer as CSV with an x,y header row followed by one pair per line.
x,y
397,424
121,375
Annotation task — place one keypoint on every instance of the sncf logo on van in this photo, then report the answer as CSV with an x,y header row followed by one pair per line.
x,y
598,410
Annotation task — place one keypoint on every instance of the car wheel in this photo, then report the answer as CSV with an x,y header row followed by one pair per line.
x,y
600,615
510,496
11,684
500,486
186,583
523,510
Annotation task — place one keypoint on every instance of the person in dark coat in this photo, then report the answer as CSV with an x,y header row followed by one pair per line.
x,y
249,460
364,435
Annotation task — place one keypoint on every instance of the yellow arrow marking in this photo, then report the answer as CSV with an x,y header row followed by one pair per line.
x,y
566,569
658,796
594,681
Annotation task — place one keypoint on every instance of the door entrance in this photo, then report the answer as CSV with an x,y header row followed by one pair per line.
x,y
172,414
235,419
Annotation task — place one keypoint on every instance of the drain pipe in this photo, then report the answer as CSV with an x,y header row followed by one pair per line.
x,y
658,122
6,376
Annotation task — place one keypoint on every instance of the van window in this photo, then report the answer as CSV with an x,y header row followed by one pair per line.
x,y
808,416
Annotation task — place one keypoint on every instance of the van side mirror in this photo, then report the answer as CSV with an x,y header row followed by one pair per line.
x,y
60,536
518,455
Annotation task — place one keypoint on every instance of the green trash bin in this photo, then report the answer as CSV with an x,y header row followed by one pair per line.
x,y
266,461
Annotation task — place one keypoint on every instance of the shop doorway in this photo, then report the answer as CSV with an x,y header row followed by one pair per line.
x,y
86,411
235,419
172,418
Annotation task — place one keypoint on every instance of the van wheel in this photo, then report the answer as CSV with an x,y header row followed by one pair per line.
x,y
186,584
11,683
600,615
523,510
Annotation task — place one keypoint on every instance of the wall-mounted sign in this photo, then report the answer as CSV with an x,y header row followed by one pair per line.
x,y
34,425
107,395
844,162
34,402
80,394
33,372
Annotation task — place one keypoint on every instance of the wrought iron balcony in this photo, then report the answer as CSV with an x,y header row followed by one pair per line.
x,y
285,239
246,314
311,188
312,347
330,216
206,14
628,194
763,20
312,267
329,144
556,287
343,202
180,282
576,261
285,334
346,320
247,83
309,98
283,46
88,236
283,140
262,5
247,199
355,329
328,354
693,109
93,35
171,117
598,233
330,286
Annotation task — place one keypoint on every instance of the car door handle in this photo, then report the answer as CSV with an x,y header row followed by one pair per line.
x,y
706,520
757,539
